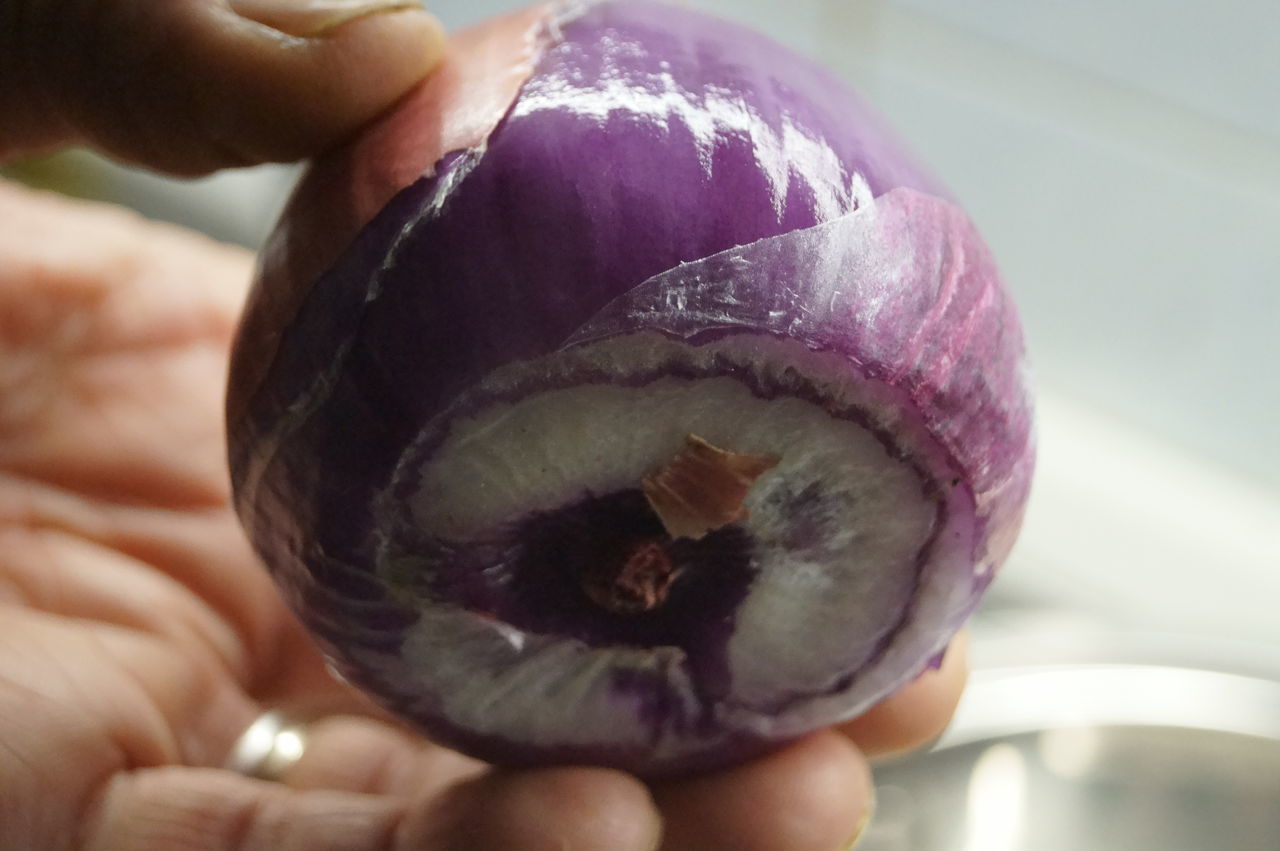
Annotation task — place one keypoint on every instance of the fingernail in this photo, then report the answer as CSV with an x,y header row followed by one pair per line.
x,y
657,843
861,827
858,832
314,18
659,830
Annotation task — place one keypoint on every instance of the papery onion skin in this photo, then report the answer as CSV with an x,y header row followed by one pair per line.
x,y
657,170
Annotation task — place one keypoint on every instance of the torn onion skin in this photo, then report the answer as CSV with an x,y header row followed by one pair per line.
x,y
628,396
703,488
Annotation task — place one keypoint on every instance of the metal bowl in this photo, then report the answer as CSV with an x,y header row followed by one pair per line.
x,y
1093,757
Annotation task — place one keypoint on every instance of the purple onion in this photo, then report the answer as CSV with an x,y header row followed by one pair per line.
x,y
628,396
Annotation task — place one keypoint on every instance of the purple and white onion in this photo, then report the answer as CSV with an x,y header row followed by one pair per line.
x,y
628,396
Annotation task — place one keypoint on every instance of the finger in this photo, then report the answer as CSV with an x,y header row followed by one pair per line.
x,y
552,809
194,85
918,713
175,808
815,794
470,805
180,808
473,806
353,753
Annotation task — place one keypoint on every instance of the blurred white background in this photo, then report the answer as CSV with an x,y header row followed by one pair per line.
x,y
1123,160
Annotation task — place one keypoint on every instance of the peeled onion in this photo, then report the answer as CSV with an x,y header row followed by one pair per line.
x,y
629,396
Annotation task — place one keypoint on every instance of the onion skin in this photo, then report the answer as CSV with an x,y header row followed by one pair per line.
x,y
576,176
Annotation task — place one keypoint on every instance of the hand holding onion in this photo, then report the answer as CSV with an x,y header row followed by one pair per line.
x,y
140,636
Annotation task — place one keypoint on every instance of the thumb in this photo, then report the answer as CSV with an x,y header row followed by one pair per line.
x,y
190,86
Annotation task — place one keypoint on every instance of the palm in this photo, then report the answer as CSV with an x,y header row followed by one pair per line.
x,y
142,622
139,635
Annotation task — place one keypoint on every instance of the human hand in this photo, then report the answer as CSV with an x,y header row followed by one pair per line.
x,y
190,86
139,635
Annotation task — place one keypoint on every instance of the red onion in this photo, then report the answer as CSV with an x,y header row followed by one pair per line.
x,y
628,396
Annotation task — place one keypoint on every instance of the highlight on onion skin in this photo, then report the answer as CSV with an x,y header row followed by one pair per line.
x,y
628,396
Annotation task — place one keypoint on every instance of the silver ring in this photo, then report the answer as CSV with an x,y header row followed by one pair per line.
x,y
269,747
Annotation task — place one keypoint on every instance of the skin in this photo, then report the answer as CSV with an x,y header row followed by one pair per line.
x,y
138,634
190,86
